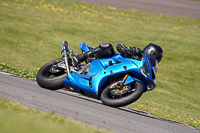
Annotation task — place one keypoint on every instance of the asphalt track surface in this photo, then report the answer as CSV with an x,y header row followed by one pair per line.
x,y
84,109
184,8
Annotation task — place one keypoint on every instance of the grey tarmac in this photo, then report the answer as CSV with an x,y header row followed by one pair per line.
x,y
184,8
86,110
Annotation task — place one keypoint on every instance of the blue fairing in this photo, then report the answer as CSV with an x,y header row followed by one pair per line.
x,y
100,70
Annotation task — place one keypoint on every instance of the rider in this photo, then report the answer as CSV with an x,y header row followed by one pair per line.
x,y
152,51
104,50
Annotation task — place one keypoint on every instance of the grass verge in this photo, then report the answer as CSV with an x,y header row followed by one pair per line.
x,y
18,72
31,33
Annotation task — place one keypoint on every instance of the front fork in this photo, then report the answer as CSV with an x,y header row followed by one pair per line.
x,y
120,84
65,55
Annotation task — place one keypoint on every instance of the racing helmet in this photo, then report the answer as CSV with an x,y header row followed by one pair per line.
x,y
154,50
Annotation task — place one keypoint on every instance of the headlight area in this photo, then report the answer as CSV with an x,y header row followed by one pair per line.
x,y
144,70
147,73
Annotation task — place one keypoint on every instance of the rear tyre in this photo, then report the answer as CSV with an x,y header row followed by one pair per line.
x,y
134,93
53,81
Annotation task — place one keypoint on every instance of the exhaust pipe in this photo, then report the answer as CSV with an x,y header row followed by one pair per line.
x,y
65,55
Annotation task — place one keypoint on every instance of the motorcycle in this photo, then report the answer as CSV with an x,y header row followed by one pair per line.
x,y
115,80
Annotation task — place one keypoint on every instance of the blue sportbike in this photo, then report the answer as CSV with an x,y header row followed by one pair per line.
x,y
115,80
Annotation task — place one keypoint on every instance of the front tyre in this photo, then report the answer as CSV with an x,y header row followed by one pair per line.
x,y
122,97
46,79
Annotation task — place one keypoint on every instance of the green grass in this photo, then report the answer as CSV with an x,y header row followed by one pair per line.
x,y
16,118
32,32
18,72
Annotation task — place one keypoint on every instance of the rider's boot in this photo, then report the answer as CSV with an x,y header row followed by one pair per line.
x,y
80,57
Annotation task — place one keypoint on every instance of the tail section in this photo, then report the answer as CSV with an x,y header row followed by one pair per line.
x,y
84,47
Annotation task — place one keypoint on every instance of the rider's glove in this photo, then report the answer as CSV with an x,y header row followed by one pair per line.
x,y
121,48
135,53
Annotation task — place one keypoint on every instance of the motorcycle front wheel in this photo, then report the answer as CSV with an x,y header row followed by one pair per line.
x,y
51,80
122,97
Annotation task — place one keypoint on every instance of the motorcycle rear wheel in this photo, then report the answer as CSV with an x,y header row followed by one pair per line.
x,y
48,80
108,99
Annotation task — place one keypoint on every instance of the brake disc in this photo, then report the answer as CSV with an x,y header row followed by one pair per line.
x,y
116,91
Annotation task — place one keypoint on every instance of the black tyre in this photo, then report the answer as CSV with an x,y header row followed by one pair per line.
x,y
49,80
122,97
